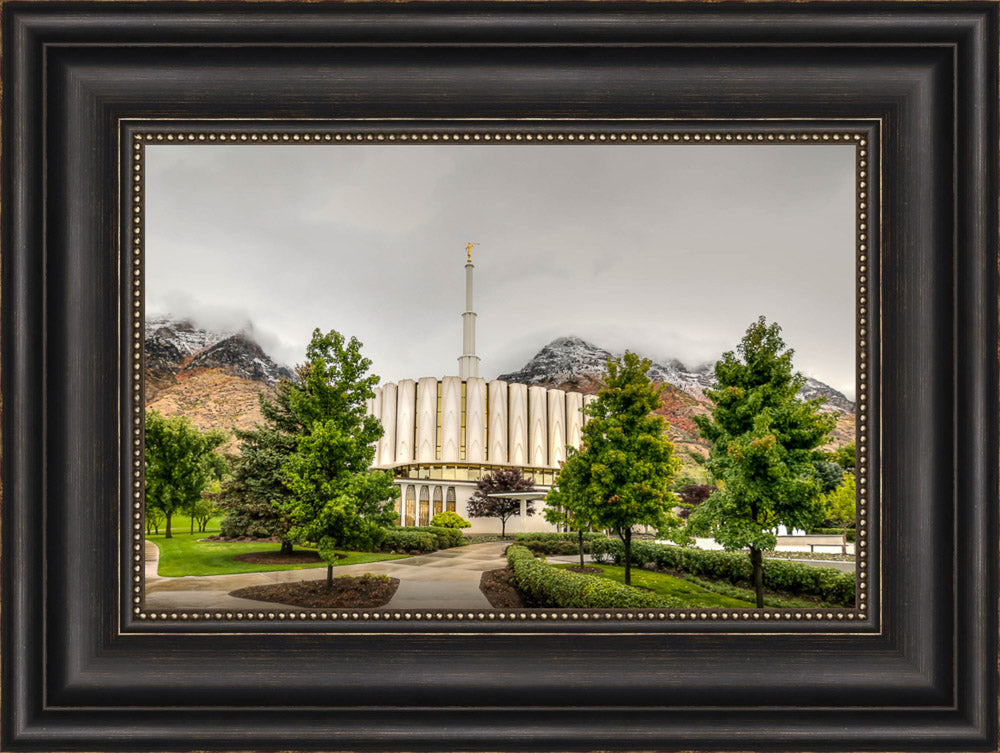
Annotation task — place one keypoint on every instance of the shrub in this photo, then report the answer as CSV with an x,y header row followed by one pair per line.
x,y
550,546
446,537
547,586
397,539
824,583
449,519
557,536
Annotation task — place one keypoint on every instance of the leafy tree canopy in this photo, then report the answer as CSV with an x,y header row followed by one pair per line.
x,y
764,446
828,474
482,505
180,462
622,474
840,505
336,501
693,495
844,456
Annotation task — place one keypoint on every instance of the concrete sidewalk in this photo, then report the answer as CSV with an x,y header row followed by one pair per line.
x,y
446,579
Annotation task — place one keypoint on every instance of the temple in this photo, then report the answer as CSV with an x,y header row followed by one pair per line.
x,y
440,435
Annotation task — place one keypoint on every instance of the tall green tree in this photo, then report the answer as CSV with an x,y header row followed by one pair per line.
x,y
563,501
622,474
336,501
765,444
251,496
180,462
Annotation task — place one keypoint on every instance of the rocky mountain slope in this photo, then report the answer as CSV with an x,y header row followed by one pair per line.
x,y
211,377
573,364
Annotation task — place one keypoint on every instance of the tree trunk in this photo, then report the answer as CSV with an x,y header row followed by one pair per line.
x,y
192,524
329,575
167,534
627,538
843,545
503,528
286,546
757,560
580,533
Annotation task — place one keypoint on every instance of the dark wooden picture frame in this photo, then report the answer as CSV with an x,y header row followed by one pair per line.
x,y
916,671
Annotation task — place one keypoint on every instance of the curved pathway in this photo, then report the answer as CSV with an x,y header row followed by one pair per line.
x,y
445,579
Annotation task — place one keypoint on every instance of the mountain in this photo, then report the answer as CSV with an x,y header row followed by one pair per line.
x,y
571,359
179,348
571,363
211,377
240,356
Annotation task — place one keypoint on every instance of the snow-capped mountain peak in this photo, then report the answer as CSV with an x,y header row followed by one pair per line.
x,y
572,359
179,348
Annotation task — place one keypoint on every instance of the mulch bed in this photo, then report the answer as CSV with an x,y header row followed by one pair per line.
x,y
496,587
347,591
297,557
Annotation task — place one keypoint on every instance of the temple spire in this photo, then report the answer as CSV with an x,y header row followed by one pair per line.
x,y
468,362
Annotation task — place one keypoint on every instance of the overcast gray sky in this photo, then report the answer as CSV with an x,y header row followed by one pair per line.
x,y
669,250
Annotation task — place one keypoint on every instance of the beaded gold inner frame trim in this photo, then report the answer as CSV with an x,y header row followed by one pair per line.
x,y
136,136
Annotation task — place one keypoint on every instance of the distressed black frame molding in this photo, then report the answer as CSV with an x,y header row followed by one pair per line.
x,y
78,673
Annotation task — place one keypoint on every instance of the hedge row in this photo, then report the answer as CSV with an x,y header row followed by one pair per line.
x,y
553,536
744,594
400,540
547,586
554,547
824,583
446,537
834,532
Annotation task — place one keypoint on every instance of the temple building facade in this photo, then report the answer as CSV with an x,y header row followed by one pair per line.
x,y
440,435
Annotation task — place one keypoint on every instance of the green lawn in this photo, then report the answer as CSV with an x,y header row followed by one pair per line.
x,y
185,555
667,585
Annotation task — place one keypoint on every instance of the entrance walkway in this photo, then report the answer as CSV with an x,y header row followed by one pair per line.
x,y
446,579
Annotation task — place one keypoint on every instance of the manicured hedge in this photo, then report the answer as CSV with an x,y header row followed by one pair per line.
x,y
556,536
554,547
824,583
446,537
834,532
547,586
400,540
556,543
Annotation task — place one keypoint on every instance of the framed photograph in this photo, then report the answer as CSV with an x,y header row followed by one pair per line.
x,y
532,190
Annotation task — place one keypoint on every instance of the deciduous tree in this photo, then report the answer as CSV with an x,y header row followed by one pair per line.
x,y
691,496
764,446
180,461
482,505
336,501
844,456
840,505
621,476
564,503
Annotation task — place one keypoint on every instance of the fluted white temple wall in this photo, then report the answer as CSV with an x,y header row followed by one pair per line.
x,y
517,427
448,432
406,394
497,433
475,420
426,416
